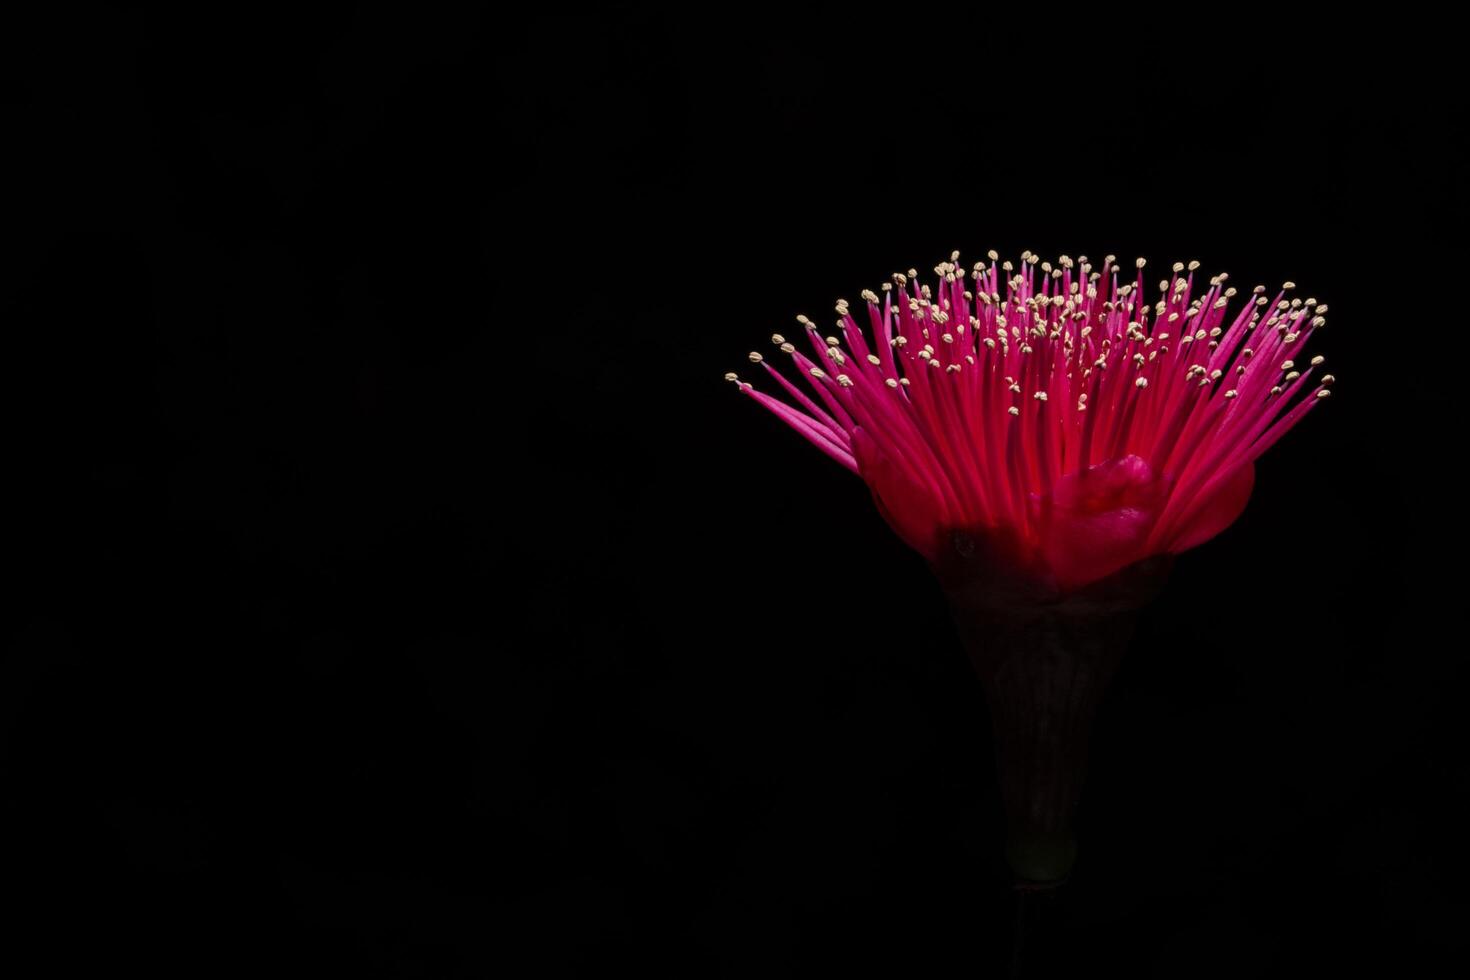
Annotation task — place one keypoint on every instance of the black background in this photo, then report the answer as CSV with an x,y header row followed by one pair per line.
x,y
397,589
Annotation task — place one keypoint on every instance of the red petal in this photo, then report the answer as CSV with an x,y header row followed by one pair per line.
x,y
1100,523
1218,512
909,509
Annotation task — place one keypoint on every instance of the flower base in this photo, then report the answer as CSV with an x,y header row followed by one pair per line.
x,y
1045,662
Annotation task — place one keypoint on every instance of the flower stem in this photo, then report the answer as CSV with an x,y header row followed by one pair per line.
x,y
1018,946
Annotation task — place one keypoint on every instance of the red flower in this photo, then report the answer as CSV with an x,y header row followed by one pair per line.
x,y
1056,417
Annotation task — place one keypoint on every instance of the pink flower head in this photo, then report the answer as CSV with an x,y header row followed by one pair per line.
x,y
1055,416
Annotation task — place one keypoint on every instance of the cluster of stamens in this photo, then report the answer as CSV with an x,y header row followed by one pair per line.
x,y
990,385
